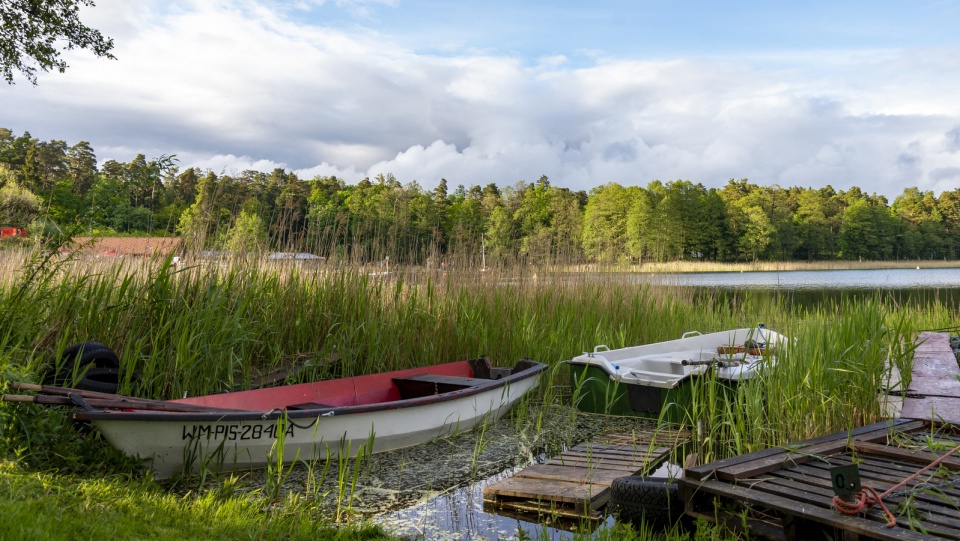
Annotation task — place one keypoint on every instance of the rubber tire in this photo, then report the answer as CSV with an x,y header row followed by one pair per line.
x,y
652,499
79,356
101,380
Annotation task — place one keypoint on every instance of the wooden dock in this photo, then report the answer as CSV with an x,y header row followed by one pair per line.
x,y
934,391
787,493
576,484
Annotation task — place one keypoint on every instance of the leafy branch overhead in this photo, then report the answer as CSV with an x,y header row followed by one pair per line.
x,y
34,32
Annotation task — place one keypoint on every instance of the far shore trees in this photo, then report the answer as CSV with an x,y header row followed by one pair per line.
x,y
380,219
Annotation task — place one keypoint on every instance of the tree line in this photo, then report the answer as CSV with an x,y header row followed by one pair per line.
x,y
48,185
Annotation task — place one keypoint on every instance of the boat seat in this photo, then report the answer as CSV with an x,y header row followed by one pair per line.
x,y
419,385
308,406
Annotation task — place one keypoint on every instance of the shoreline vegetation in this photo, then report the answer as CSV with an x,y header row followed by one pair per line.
x,y
213,327
48,187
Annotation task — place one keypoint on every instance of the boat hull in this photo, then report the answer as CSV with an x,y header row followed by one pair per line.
x,y
657,380
171,443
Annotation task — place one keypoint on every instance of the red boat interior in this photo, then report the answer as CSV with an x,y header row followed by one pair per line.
x,y
360,390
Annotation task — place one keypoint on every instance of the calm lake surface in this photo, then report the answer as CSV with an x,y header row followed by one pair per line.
x,y
863,280
810,289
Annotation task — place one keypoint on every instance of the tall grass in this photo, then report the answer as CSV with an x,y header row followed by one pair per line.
x,y
212,327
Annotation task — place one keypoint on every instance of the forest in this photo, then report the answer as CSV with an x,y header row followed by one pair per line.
x,y
50,186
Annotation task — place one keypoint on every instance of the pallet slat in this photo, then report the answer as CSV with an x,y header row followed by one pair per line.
x,y
576,483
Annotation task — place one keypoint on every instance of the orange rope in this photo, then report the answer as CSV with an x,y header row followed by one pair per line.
x,y
868,497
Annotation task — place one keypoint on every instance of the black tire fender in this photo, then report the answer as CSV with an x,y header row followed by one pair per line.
x,y
80,357
101,380
653,499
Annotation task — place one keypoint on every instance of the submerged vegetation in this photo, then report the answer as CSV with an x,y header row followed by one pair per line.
x,y
214,327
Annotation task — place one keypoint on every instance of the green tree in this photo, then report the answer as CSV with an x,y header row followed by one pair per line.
x,y
247,236
83,167
605,222
919,225
499,235
18,205
949,207
867,231
33,33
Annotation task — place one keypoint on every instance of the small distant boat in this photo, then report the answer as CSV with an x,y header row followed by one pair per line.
x,y
379,412
643,380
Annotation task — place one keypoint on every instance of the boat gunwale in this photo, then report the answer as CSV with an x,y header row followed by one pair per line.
x,y
103,414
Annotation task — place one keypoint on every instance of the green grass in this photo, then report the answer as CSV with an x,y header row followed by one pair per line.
x,y
199,330
47,506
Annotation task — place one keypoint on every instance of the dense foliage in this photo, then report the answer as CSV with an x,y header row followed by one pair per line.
x,y
33,32
45,183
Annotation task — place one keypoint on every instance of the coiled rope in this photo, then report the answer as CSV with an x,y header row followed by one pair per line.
x,y
868,496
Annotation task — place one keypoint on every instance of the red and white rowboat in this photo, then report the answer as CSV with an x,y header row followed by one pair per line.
x,y
315,420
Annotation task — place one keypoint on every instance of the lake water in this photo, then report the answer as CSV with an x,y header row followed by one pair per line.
x,y
809,289
862,280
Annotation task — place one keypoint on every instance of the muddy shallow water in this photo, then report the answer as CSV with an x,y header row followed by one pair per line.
x,y
434,490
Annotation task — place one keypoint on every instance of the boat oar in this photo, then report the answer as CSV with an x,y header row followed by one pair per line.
x,y
66,391
146,402
113,403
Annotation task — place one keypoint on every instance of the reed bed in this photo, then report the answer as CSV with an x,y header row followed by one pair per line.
x,y
213,326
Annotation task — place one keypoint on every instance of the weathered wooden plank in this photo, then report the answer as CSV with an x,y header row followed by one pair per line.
x,y
586,455
571,474
705,470
940,511
937,511
627,469
631,450
854,524
635,465
801,455
542,489
910,455
937,408
944,385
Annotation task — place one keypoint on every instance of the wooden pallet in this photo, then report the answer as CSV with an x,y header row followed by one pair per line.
x,y
576,484
787,494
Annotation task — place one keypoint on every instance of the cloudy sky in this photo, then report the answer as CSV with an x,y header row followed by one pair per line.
x,y
863,93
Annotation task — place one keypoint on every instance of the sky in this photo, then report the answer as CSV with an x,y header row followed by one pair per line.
x,y
840,93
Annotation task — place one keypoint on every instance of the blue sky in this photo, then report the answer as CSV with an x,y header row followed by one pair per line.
x,y
800,94
650,29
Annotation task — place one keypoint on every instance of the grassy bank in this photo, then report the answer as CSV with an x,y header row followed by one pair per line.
x,y
205,329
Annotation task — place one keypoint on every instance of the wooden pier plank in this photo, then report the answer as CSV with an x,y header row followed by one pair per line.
x,y
568,473
937,408
798,455
706,470
854,524
909,455
543,489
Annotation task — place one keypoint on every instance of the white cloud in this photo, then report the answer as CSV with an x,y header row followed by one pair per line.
x,y
235,85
